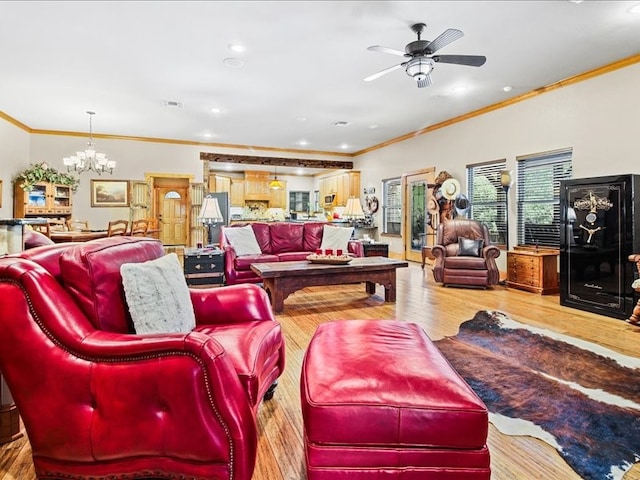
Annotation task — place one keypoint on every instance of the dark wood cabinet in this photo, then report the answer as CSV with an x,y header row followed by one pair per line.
x,y
598,231
202,267
375,249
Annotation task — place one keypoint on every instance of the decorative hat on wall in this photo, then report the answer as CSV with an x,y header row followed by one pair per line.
x,y
450,188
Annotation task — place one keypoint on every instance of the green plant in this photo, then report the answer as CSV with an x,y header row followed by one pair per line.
x,y
41,172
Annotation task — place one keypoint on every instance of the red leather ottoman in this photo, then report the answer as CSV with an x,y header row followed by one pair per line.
x,y
379,401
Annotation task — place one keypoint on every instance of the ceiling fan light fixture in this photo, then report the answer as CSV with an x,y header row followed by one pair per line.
x,y
419,68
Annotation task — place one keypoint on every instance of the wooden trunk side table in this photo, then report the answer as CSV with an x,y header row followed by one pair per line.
x,y
10,424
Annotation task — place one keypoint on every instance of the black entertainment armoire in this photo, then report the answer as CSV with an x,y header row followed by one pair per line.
x,y
599,230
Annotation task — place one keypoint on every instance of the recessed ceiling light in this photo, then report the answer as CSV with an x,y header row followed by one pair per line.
x,y
344,146
459,89
215,110
507,88
303,143
237,48
634,9
373,127
341,123
172,104
233,62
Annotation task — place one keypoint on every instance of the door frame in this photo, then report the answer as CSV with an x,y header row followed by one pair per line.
x,y
428,176
151,178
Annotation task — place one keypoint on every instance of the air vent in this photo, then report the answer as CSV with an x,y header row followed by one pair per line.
x,y
172,104
341,124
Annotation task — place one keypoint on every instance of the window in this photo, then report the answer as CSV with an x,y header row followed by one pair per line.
x,y
299,201
392,206
487,197
539,177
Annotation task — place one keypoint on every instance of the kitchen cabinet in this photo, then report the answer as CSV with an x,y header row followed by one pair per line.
x,y
343,185
43,200
534,270
219,183
236,193
256,186
278,198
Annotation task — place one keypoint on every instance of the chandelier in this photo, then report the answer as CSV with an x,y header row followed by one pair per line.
x,y
89,160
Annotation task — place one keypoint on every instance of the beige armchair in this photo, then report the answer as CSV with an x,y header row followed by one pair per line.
x,y
464,255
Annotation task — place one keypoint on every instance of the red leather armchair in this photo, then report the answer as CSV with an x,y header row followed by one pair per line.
x,y
453,266
99,401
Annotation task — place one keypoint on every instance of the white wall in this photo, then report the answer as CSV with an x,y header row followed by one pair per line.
x,y
598,118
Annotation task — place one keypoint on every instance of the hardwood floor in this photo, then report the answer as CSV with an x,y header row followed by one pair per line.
x,y
439,310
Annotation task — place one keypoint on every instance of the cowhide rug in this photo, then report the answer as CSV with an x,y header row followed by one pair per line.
x,y
579,397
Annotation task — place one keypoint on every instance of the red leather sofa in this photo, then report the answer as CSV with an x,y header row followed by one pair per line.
x,y
279,242
99,401
383,403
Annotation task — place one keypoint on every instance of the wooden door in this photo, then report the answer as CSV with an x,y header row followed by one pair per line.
x,y
172,214
419,226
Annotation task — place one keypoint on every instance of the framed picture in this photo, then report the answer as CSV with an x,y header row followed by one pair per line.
x,y
109,193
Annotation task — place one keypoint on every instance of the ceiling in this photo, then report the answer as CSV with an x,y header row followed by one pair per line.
x,y
302,71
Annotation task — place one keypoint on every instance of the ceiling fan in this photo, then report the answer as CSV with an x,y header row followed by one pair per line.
x,y
420,56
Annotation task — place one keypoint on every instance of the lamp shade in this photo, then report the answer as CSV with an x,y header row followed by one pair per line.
x,y
505,178
276,184
210,211
353,209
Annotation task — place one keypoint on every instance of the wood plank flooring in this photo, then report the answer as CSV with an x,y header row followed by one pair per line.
x,y
439,310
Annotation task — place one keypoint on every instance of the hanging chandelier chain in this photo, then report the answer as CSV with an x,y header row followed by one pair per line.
x,y
89,160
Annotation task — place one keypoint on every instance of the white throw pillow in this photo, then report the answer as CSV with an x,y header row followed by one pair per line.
x,y
336,238
243,240
157,295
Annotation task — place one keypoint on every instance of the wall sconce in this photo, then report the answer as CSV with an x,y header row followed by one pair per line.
x,y
210,215
506,181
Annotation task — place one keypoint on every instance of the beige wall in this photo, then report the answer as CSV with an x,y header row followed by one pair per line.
x,y
599,118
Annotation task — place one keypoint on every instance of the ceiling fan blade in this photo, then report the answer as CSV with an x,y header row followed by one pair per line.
x,y
445,38
469,60
425,82
382,72
392,51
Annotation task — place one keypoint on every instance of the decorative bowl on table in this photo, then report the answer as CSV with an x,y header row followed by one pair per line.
x,y
329,259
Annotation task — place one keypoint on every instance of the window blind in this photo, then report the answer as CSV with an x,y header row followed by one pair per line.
x,y
487,197
392,206
539,177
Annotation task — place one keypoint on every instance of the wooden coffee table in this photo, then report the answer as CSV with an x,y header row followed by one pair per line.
x,y
283,278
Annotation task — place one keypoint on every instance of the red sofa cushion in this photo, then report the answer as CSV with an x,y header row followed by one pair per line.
x,y
286,237
91,273
244,262
313,236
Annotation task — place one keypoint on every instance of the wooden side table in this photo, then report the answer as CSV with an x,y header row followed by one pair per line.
x,y
533,270
375,249
10,425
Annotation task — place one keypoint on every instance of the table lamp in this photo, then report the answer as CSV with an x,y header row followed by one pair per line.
x,y
210,214
353,210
